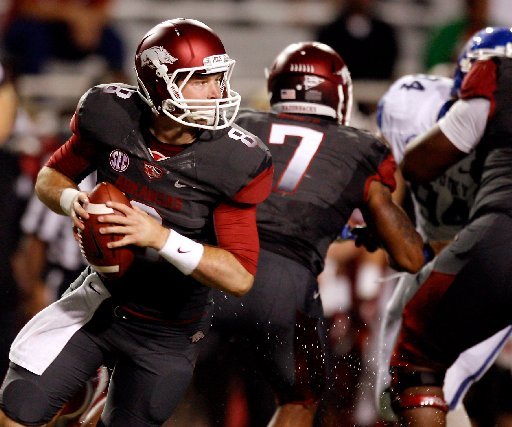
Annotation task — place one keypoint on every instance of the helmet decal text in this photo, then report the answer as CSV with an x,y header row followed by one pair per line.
x,y
214,60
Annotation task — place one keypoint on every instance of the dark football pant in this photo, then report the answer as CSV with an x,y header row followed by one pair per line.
x,y
277,327
466,298
153,368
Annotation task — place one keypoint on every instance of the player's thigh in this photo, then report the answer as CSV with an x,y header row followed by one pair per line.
x,y
153,371
30,399
292,348
467,296
141,397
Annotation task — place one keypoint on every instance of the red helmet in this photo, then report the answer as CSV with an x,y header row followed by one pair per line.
x,y
311,78
167,57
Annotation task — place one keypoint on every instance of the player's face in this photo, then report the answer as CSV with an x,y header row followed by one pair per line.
x,y
203,86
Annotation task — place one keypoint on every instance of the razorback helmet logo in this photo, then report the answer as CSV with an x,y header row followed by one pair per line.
x,y
156,57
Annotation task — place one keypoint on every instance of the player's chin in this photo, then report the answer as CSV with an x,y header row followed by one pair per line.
x,y
202,122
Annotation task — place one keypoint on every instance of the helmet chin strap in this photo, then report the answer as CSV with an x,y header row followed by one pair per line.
x,y
144,95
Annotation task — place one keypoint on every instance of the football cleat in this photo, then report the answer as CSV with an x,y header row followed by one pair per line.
x,y
86,405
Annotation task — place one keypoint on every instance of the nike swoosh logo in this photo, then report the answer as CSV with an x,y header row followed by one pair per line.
x,y
94,289
181,251
177,184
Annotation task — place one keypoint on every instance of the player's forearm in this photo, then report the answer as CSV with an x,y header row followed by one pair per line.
x,y
219,269
49,186
400,239
428,156
395,230
212,266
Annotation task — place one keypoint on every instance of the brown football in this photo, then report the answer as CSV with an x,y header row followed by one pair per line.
x,y
109,263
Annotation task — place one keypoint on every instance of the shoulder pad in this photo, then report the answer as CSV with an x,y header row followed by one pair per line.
x,y
103,105
232,159
480,82
411,106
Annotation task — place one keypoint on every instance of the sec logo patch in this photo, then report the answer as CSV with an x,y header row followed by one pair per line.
x,y
119,161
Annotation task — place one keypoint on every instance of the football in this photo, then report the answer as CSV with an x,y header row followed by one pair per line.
x,y
110,263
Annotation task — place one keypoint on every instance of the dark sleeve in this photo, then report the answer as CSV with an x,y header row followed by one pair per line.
x,y
235,228
75,158
258,189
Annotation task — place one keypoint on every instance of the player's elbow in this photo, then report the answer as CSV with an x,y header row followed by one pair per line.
x,y
410,260
413,266
242,286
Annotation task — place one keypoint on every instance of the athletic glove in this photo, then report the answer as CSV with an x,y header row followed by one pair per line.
x,y
362,236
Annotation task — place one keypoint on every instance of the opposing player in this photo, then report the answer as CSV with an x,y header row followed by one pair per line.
x,y
170,145
410,107
463,296
323,171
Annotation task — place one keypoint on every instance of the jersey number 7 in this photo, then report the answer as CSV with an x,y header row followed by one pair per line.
x,y
310,140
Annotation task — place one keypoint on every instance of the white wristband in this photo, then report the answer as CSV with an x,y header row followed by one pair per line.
x,y
182,252
67,197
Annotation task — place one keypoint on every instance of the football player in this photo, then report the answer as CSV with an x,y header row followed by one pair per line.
x,y
170,144
411,105
324,169
463,296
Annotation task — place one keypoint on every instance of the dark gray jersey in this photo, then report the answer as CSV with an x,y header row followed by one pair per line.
x,y
321,174
182,190
492,79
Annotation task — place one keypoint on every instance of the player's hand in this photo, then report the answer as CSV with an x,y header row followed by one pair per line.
x,y
78,213
137,227
362,236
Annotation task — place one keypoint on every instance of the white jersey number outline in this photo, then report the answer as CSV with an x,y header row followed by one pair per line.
x,y
309,143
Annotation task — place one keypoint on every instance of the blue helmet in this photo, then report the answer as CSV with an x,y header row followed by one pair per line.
x,y
486,43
